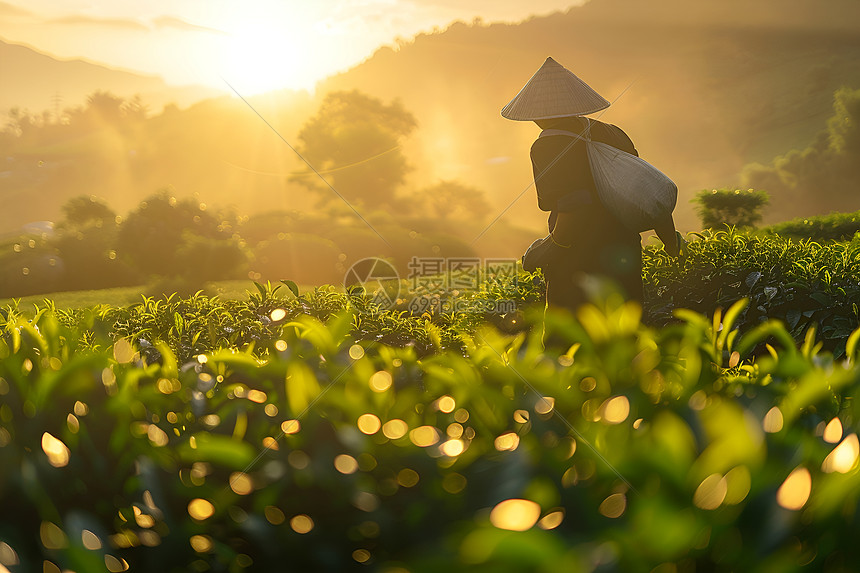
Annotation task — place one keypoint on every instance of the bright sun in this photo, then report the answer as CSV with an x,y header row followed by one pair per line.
x,y
260,55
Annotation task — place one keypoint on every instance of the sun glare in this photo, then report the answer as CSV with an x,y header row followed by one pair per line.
x,y
264,52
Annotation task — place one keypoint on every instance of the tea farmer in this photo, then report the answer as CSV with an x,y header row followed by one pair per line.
x,y
587,239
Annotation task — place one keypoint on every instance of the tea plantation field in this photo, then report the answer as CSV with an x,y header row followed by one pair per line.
x,y
715,429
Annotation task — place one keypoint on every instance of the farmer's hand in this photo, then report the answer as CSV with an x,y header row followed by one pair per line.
x,y
679,248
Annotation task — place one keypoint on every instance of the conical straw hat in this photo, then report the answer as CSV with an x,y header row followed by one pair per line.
x,y
553,91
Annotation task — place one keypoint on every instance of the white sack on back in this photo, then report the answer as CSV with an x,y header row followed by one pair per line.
x,y
632,189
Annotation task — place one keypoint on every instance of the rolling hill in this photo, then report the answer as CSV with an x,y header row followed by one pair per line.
x,y
37,81
702,88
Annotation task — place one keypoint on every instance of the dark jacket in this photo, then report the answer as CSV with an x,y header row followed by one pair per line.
x,y
600,243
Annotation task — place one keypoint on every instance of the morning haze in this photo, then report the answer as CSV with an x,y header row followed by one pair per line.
x,y
705,90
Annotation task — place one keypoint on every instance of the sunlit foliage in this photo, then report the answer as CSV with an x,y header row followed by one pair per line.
x,y
354,142
636,447
833,227
733,207
803,284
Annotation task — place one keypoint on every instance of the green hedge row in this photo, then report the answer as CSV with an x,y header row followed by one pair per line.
x,y
803,284
833,227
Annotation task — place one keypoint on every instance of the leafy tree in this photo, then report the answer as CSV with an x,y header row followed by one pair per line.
x,y
20,123
164,237
354,142
732,207
83,210
105,106
85,242
822,177
453,200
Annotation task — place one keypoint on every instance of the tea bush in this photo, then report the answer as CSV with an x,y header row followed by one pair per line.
x,y
801,283
318,431
633,448
733,207
833,227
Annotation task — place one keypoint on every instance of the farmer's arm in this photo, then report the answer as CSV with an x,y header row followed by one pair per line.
x,y
666,232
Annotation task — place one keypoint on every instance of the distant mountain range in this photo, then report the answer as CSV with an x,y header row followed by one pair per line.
x,y
703,88
39,82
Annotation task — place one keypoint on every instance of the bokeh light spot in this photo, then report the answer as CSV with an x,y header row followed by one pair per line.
x,y
90,540
365,501
588,384
241,483
291,426
452,448
81,409
613,506
302,524
843,458
734,359
257,396
738,483
123,352
544,405
615,410
278,314
394,429
551,520
515,514
794,491
51,536
115,564
8,556
454,430
345,464
711,492
201,543
773,421
157,436
298,459
407,477
369,424
143,519
164,386
380,381
356,351
274,515
507,442
56,450
424,436
833,431
453,483
446,404
200,509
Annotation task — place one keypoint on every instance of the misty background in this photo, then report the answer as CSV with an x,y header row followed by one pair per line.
x,y
190,182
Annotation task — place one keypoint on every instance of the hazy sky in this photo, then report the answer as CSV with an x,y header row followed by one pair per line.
x,y
256,45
